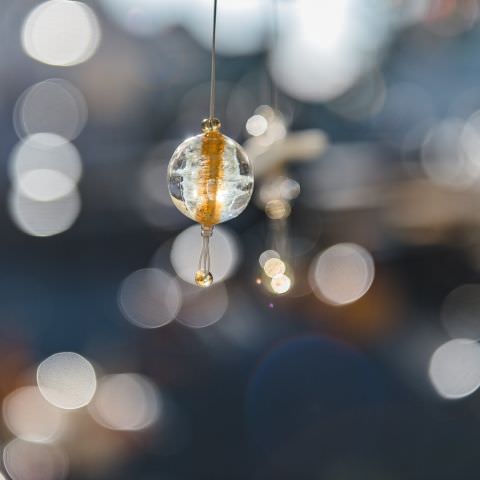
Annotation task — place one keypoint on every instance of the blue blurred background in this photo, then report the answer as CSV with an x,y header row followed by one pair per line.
x,y
340,339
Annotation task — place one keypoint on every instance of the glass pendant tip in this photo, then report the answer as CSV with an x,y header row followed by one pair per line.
x,y
203,279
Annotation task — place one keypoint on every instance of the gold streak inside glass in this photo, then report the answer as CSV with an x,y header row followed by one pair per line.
x,y
209,208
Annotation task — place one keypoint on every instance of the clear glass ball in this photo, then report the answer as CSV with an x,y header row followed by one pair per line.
x,y
210,178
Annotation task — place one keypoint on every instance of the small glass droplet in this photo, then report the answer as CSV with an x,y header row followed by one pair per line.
x,y
203,279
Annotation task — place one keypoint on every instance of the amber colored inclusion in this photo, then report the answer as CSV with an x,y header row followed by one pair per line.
x,y
209,209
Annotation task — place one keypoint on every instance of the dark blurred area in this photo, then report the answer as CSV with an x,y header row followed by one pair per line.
x,y
340,338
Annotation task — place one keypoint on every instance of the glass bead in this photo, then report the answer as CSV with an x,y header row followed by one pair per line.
x,y
203,279
210,178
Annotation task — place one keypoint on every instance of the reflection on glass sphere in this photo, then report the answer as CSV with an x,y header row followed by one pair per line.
x,y
210,178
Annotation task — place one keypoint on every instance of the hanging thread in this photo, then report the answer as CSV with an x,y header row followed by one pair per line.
x,y
213,61
204,261
274,44
210,127
203,277
210,178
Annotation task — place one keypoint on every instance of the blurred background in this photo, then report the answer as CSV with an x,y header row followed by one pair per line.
x,y
340,339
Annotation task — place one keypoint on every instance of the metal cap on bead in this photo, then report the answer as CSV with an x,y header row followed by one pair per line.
x,y
206,230
211,125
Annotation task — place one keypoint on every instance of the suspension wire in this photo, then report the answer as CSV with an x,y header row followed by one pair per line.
x,y
274,43
213,61
204,260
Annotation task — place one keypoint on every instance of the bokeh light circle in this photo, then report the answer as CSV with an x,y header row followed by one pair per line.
x,y
449,154
267,255
203,307
33,461
52,106
150,298
45,185
342,273
146,17
325,47
43,219
126,401
455,368
461,312
187,246
61,32
67,380
274,267
30,417
45,151
256,125
281,284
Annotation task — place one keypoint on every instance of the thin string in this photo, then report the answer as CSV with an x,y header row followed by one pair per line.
x,y
213,72
204,260
206,246
274,40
